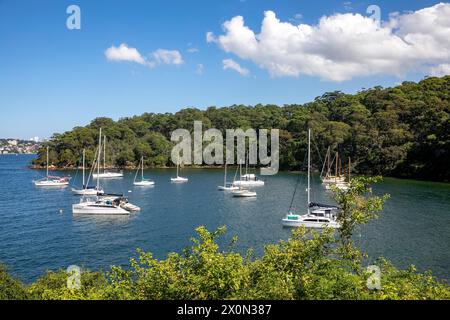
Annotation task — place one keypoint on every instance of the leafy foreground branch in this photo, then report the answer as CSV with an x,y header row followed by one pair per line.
x,y
310,265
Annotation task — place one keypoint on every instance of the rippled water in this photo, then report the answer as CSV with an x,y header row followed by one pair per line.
x,y
414,227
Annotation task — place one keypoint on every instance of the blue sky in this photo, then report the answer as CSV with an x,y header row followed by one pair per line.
x,y
52,78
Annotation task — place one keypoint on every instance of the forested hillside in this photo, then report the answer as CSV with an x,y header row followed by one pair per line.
x,y
402,131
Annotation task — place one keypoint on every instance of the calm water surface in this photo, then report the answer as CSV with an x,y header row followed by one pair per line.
x,y
414,227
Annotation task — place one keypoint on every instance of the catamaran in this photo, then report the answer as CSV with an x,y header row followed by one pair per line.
x,y
227,186
317,216
51,181
103,204
107,174
144,182
86,189
179,179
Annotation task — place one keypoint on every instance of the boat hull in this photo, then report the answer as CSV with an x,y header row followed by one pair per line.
x,y
108,175
50,184
222,188
86,192
308,222
179,180
244,194
144,183
243,183
92,208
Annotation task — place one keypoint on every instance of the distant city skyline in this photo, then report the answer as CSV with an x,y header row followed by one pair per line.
x,y
131,57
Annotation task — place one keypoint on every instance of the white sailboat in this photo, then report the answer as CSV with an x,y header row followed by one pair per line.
x,y
51,181
329,178
318,218
247,179
86,189
227,186
179,179
144,182
102,205
107,174
244,193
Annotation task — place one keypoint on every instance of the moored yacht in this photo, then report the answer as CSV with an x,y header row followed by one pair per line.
x,y
86,189
51,181
106,174
179,179
317,216
144,182
103,204
227,186
244,193
99,206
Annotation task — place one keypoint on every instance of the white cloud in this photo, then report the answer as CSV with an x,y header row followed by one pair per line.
x,y
210,37
164,56
127,54
124,53
199,69
440,70
193,50
233,65
343,46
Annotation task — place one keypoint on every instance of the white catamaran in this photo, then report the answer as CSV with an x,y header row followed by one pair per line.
x,y
144,182
317,216
86,189
51,181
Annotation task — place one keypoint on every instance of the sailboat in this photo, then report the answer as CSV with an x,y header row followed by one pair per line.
x,y
51,181
179,179
107,174
322,217
86,189
244,193
103,204
329,178
341,184
247,179
226,185
144,182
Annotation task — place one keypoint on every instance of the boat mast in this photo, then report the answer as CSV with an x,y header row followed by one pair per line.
x,y
328,160
349,168
336,169
225,176
142,160
247,159
309,168
84,154
47,163
99,159
104,154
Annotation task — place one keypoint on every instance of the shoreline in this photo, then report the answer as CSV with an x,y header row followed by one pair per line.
x,y
208,167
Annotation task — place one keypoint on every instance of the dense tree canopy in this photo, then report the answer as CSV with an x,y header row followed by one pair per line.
x,y
402,131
